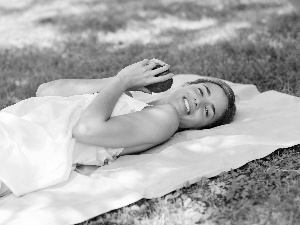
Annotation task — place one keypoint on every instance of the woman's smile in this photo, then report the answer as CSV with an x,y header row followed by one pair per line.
x,y
186,105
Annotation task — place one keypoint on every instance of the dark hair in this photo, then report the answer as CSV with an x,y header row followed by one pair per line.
x,y
230,111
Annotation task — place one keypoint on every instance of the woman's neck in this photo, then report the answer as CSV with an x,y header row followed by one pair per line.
x,y
161,99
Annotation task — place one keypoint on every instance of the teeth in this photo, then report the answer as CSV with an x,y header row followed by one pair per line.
x,y
187,105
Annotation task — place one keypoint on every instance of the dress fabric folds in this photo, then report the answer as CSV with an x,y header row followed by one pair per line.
x,y
37,149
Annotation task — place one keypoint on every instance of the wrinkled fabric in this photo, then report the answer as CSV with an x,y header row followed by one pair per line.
x,y
36,148
264,122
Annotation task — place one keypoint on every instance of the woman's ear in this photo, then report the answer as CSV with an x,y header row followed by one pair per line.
x,y
237,98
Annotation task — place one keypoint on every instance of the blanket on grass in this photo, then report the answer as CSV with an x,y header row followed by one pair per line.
x,y
264,122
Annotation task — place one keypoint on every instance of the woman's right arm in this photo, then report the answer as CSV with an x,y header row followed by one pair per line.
x,y
144,128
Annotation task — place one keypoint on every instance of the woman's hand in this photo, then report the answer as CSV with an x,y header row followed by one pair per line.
x,y
140,74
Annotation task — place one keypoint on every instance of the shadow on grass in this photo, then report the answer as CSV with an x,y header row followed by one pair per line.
x,y
269,60
118,15
15,7
139,20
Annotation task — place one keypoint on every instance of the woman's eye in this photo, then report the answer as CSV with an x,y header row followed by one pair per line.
x,y
206,111
201,92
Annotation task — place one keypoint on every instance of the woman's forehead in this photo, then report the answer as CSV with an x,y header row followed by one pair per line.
x,y
219,98
212,88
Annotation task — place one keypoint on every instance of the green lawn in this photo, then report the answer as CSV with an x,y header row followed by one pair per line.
x,y
245,41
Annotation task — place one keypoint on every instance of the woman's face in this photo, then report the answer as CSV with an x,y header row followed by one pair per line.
x,y
198,105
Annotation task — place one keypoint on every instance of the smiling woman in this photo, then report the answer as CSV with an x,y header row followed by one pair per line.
x,y
225,116
203,103
92,122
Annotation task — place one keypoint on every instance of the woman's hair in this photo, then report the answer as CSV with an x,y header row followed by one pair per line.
x,y
229,113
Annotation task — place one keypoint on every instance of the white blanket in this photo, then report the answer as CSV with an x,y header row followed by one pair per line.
x,y
264,122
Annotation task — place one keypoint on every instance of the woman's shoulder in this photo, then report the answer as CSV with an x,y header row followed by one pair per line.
x,y
158,123
165,113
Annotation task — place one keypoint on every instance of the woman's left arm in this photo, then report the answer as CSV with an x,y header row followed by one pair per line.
x,y
69,87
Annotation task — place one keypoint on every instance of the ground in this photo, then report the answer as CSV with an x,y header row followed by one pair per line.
x,y
245,41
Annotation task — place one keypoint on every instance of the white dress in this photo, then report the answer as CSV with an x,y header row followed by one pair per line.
x,y
37,149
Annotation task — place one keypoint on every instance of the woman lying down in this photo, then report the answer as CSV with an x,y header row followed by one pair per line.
x,y
45,137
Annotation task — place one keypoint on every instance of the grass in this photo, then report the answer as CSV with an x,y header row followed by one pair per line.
x,y
247,41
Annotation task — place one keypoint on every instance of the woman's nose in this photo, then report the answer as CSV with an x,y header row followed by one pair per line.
x,y
197,102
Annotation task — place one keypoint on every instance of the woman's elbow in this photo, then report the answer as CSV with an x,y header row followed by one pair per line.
x,y
79,131
40,92
48,89
83,131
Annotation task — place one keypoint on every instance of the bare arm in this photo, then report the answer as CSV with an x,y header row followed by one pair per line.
x,y
135,132
69,87
146,128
